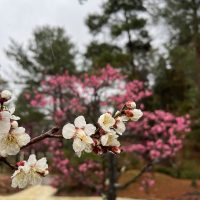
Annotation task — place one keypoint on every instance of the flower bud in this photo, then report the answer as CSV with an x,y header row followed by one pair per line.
x,y
131,104
128,113
115,150
6,94
20,163
14,124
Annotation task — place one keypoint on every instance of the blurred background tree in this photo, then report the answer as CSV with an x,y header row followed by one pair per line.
x,y
129,43
183,61
49,52
177,74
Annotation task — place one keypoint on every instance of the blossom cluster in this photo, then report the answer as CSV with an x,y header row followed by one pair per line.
x,y
12,137
161,135
29,172
104,138
86,138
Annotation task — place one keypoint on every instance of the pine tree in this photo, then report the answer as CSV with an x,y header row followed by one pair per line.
x,y
123,21
49,52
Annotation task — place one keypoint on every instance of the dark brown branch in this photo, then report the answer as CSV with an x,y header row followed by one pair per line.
x,y
53,133
13,167
135,178
49,134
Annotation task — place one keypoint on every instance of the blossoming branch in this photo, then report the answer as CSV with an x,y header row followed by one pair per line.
x,y
88,138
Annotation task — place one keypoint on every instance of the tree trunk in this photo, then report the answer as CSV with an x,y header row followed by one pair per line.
x,y
196,38
111,193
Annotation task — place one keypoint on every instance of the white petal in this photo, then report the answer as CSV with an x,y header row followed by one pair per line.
x,y
104,139
68,131
88,140
20,180
35,179
19,130
12,149
120,127
90,129
106,121
4,122
15,173
137,114
41,165
79,154
32,159
26,168
14,117
115,143
12,109
80,122
78,145
88,148
23,139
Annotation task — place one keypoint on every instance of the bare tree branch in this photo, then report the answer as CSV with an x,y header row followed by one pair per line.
x,y
135,178
49,134
4,160
52,133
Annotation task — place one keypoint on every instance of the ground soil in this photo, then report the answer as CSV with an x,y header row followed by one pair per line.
x,y
166,188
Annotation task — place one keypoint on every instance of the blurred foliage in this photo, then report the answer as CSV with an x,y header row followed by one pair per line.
x,y
101,54
31,118
123,22
188,170
49,52
183,60
3,84
177,74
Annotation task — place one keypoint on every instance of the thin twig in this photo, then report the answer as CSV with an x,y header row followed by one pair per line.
x,y
135,178
2,159
49,134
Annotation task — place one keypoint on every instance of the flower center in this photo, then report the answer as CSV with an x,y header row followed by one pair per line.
x,y
80,134
106,120
10,139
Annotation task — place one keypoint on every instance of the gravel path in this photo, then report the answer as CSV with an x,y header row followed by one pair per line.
x,y
45,193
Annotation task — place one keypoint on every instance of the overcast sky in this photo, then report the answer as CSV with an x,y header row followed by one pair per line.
x,y
18,18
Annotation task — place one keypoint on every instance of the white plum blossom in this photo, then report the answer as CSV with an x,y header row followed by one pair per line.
x,y
6,94
19,177
119,125
133,115
137,114
30,172
106,121
110,139
81,133
11,142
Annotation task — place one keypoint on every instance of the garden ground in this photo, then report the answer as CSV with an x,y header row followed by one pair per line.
x,y
166,188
